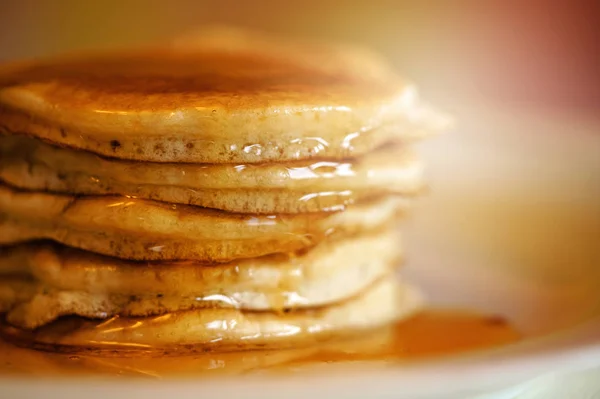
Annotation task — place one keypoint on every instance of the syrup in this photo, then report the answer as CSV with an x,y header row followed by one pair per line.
x,y
429,334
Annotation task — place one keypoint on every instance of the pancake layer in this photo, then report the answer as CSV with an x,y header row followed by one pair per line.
x,y
149,230
205,104
301,186
39,283
227,329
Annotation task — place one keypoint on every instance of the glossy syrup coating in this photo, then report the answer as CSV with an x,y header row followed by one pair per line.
x,y
203,103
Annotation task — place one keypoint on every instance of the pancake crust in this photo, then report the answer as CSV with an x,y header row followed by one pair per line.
x,y
226,329
292,187
208,104
148,230
41,282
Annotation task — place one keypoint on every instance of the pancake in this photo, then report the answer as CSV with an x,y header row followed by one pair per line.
x,y
226,329
300,186
214,104
149,230
221,191
40,282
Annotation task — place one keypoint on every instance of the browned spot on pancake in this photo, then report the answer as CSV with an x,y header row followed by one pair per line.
x,y
159,148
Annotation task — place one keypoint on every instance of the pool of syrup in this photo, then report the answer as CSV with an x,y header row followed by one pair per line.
x,y
430,334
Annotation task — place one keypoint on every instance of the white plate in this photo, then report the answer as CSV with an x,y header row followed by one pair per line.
x,y
511,226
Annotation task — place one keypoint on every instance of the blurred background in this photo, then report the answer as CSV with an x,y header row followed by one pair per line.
x,y
515,52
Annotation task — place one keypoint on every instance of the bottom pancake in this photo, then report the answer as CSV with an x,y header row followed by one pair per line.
x,y
224,329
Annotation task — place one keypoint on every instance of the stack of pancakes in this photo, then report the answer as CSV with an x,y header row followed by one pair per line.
x,y
228,191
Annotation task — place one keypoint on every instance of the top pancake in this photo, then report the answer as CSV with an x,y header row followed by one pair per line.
x,y
230,98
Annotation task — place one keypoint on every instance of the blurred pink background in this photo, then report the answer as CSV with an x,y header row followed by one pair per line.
x,y
530,53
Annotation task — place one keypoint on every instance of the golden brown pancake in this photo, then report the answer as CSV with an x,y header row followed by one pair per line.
x,y
213,104
149,230
39,282
224,191
300,186
227,329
